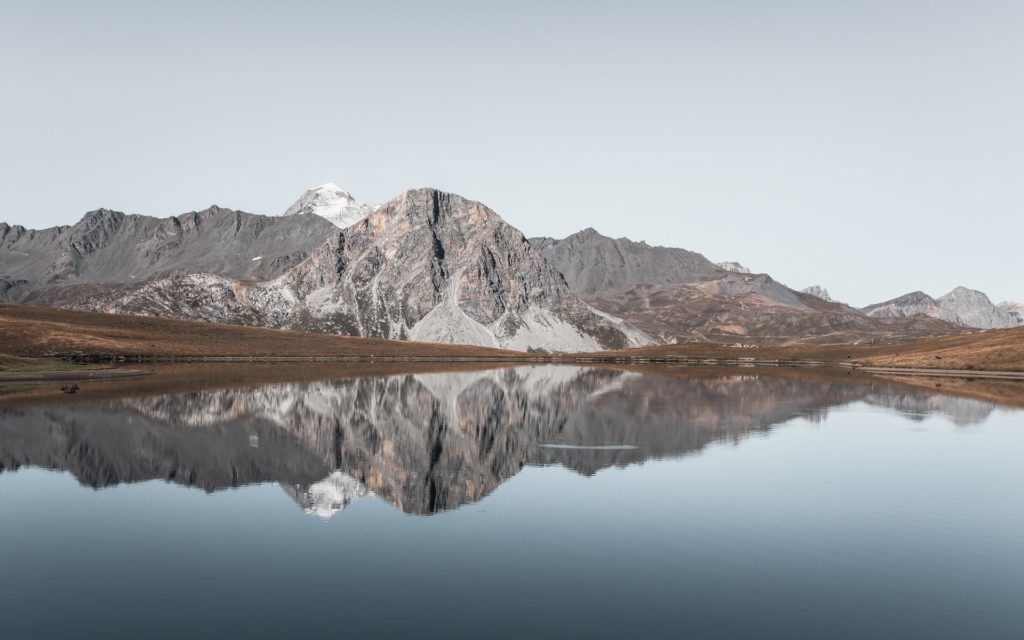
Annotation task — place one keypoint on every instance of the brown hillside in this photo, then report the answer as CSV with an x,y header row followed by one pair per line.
x,y
37,331
999,350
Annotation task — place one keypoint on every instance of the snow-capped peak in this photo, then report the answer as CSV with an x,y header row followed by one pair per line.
x,y
332,494
735,267
333,203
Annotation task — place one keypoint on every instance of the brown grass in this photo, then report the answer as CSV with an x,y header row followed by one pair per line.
x,y
1001,350
42,331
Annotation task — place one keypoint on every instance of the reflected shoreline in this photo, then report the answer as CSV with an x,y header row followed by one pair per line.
x,y
425,442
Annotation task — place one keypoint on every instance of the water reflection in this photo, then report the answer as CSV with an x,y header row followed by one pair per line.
x,y
431,442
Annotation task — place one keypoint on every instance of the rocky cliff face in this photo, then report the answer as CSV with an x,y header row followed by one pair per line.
x,y
428,266
436,267
1015,309
961,306
973,308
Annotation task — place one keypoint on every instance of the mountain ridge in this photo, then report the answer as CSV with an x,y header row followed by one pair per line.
x,y
961,306
427,265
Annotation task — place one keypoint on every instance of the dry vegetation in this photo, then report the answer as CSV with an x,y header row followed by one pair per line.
x,y
41,331
1001,350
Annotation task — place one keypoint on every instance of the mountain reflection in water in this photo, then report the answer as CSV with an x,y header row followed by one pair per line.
x,y
430,442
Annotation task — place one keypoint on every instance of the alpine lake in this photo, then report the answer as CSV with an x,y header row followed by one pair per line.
x,y
292,501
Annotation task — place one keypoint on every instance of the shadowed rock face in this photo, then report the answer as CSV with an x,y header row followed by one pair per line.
x,y
425,443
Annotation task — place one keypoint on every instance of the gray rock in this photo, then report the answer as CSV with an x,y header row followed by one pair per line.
x,y
817,291
109,247
961,306
594,264
428,266
735,267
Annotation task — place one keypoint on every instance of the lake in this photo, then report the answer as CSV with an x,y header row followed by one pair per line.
x,y
543,502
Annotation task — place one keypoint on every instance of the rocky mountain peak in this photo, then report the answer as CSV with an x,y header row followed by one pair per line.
x,y
331,202
735,267
594,264
434,266
962,306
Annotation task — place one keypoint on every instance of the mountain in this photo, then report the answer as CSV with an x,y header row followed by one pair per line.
x,y
817,291
916,303
961,306
595,264
105,247
735,267
427,266
331,202
677,295
1015,309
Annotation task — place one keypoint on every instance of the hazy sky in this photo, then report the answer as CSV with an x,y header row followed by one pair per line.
x,y
875,147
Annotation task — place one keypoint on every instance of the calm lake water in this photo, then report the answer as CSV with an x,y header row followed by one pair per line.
x,y
544,502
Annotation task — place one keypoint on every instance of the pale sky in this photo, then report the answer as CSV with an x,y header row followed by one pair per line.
x,y
874,147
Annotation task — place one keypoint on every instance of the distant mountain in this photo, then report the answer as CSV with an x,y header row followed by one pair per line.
x,y
111,247
817,291
734,267
677,295
331,202
428,266
595,264
1014,308
433,266
961,306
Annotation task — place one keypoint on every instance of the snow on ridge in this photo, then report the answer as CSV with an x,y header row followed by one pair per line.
x,y
735,267
331,202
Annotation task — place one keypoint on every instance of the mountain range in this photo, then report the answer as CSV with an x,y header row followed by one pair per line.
x,y
434,266
960,306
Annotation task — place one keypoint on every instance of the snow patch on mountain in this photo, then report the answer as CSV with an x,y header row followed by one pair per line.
x,y
735,267
333,203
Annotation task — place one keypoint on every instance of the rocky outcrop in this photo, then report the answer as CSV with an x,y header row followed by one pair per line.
x,y
1015,309
817,291
961,306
